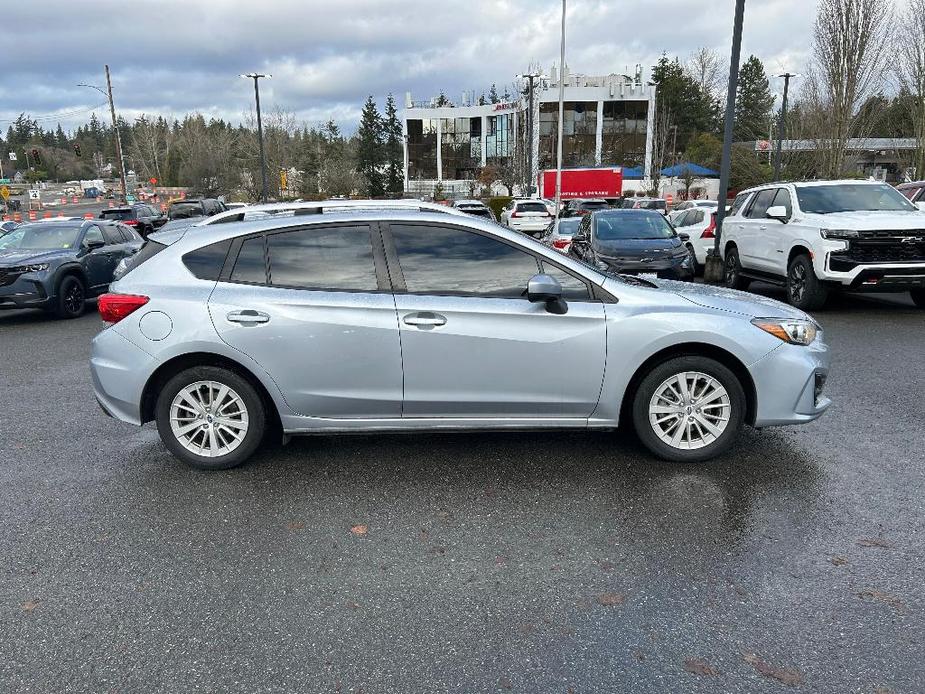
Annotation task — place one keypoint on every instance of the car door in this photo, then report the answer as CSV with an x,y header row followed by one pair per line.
x,y
752,228
314,308
472,345
777,235
100,260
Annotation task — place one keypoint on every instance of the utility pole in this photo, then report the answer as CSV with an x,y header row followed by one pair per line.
x,y
713,270
532,179
263,160
561,110
115,127
783,122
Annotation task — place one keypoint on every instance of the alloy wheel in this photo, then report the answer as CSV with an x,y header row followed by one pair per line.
x,y
689,410
797,283
731,270
208,418
74,298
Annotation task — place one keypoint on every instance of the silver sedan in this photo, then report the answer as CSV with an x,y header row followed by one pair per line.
x,y
398,317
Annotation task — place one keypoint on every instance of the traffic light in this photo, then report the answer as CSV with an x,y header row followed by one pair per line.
x,y
77,149
36,159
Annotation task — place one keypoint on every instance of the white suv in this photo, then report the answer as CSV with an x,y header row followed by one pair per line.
x,y
817,236
526,216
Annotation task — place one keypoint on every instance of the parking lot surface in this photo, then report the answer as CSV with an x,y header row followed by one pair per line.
x,y
530,562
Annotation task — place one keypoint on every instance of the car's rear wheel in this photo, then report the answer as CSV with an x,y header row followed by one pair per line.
x,y
211,418
733,270
689,409
71,298
804,290
695,267
918,297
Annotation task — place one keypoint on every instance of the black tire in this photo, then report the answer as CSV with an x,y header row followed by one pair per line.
x,y
804,290
71,298
253,403
696,268
732,270
645,429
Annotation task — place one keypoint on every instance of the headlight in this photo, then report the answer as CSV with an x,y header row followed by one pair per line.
x,y
839,233
37,267
796,331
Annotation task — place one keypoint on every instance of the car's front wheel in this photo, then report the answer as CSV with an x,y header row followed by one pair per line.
x,y
804,290
918,297
689,409
733,270
211,418
71,298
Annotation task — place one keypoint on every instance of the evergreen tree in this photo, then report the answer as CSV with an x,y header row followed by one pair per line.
x,y
689,108
394,155
60,138
754,101
482,101
370,150
442,100
493,94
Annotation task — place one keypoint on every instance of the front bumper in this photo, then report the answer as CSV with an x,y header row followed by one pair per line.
x,y
119,371
789,383
665,270
25,292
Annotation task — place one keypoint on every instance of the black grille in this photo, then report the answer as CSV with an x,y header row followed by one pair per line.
x,y
889,250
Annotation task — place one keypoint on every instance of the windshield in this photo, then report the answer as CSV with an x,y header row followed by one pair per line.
x,y
631,225
848,197
40,237
568,226
185,210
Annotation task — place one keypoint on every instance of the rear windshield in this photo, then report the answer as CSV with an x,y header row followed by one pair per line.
x,y
477,211
116,214
185,210
531,207
148,251
847,197
568,226
595,205
653,205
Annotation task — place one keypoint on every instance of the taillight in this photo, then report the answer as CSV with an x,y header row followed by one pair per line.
x,y
514,214
130,222
560,243
115,307
710,231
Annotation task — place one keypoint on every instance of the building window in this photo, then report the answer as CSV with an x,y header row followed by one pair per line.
x,y
422,148
499,142
579,133
460,159
624,133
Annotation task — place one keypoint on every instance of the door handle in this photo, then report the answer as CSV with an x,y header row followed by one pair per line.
x,y
762,228
425,320
247,316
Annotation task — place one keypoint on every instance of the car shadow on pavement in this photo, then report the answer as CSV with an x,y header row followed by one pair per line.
x,y
839,302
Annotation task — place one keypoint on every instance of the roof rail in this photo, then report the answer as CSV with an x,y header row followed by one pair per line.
x,y
322,206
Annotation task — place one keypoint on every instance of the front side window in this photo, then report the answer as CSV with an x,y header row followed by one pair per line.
x,y
762,203
94,235
440,260
333,258
782,199
573,288
852,197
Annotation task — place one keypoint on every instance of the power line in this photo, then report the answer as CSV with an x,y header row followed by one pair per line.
x,y
55,116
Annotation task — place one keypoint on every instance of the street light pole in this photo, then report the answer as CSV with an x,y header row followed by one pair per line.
x,y
112,112
713,270
263,160
783,122
529,145
560,128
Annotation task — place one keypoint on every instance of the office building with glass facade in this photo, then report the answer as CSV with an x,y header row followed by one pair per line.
x,y
607,121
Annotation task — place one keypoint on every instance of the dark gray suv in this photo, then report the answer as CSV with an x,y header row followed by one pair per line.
x,y
58,265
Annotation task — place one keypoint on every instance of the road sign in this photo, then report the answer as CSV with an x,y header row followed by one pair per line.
x,y
12,156
282,180
153,181
35,195
5,193
4,180
129,198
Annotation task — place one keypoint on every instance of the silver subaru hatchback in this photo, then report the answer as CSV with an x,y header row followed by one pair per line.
x,y
347,319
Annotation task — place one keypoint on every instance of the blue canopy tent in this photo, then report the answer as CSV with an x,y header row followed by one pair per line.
x,y
686,168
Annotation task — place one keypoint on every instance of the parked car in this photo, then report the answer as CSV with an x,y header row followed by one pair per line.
x,y
144,218
817,236
184,213
581,207
403,320
526,216
633,242
561,238
57,265
699,223
915,192
7,226
646,204
475,207
684,206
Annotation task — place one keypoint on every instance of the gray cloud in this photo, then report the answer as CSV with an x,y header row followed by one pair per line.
x,y
170,57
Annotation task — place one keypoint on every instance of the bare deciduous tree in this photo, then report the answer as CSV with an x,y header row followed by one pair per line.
x,y
910,71
849,51
705,68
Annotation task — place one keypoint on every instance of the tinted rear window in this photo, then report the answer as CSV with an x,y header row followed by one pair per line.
x,y
206,262
531,207
148,251
477,211
594,205
116,214
185,210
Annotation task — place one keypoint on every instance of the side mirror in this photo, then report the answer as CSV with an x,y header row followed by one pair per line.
x,y
544,288
685,237
93,245
778,212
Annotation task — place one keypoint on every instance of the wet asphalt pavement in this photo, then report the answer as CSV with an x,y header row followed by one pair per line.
x,y
550,562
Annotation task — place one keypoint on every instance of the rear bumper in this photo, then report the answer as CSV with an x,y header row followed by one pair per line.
x,y
789,384
119,371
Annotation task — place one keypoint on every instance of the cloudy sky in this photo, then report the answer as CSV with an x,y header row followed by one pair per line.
x,y
171,57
